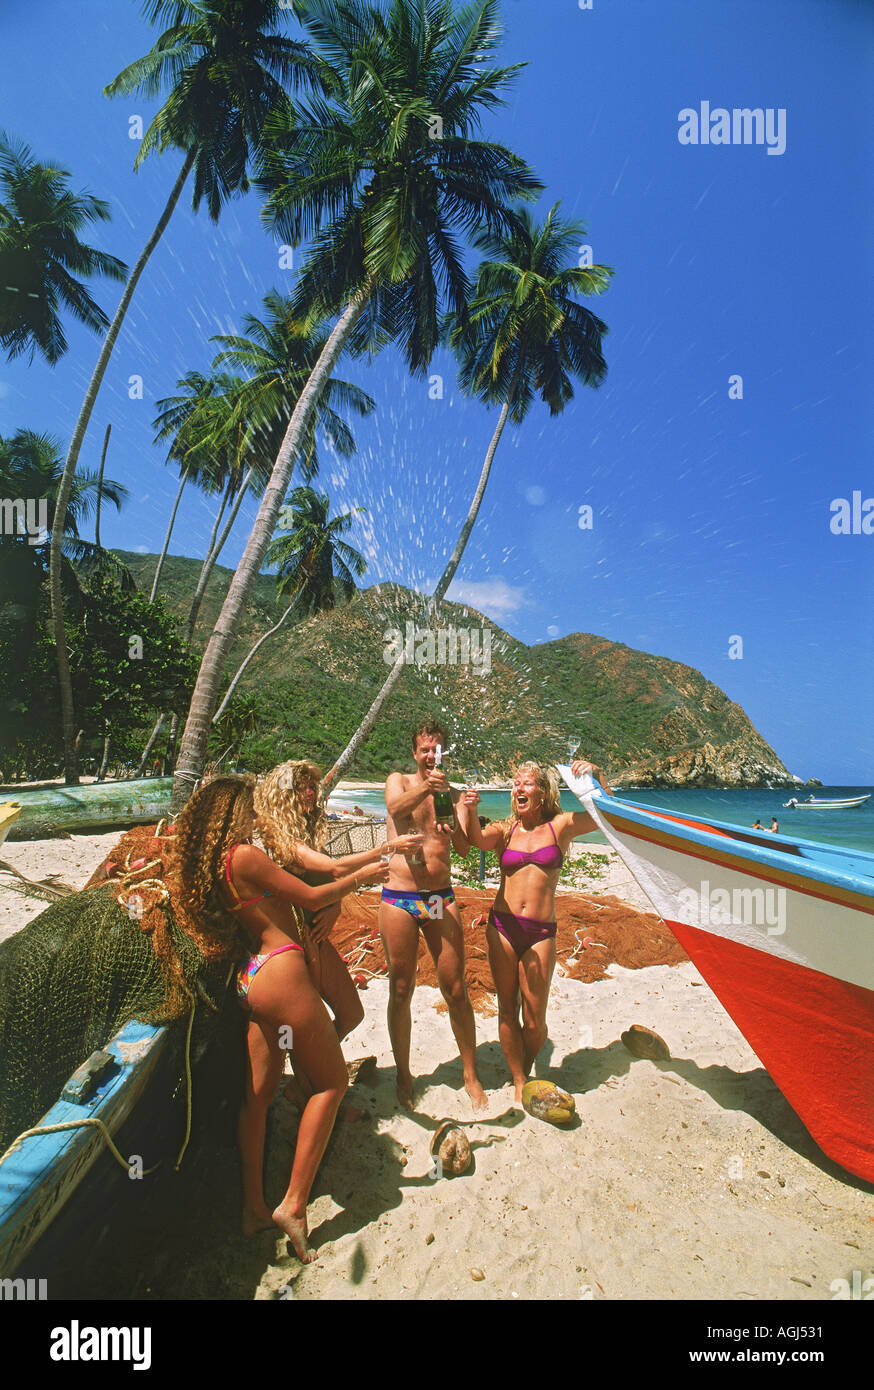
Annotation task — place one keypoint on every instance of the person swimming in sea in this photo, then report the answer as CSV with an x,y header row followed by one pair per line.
x,y
531,847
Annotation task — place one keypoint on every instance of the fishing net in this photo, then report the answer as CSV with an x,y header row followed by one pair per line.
x,y
87,965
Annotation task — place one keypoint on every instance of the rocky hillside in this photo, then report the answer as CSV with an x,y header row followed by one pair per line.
x,y
649,721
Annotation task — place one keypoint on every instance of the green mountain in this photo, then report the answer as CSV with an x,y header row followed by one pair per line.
x,y
645,719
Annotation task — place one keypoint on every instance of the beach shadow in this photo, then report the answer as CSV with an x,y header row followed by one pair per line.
x,y
754,1093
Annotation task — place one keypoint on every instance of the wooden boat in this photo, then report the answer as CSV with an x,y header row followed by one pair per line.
x,y
781,929
839,804
92,806
39,1173
9,813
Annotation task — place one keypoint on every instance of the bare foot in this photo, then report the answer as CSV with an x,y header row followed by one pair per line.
x,y
256,1220
405,1091
518,1089
295,1227
478,1097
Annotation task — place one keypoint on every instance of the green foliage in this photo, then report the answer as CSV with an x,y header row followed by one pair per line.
x,y
526,335
127,661
369,178
312,683
225,66
40,254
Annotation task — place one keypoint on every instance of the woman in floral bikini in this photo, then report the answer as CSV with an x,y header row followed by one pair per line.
x,y
232,884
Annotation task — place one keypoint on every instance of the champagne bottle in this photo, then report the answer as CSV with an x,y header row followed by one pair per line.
x,y
444,813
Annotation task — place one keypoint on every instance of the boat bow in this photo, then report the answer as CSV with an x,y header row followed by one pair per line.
x,y
781,930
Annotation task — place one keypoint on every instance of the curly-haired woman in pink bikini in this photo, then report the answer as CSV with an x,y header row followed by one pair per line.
x,y
531,848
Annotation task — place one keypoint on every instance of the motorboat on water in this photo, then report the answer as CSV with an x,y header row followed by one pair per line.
x,y
839,804
781,929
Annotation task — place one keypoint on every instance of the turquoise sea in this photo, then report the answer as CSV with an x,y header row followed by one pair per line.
x,y
853,829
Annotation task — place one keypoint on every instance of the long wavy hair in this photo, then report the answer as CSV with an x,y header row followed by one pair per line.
x,y
280,816
220,814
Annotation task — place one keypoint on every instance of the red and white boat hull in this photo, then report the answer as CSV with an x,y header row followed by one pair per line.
x,y
782,931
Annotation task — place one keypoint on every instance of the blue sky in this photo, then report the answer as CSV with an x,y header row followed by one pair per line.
x,y
710,515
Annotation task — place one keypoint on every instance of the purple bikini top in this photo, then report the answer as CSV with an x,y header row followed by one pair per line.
x,y
547,857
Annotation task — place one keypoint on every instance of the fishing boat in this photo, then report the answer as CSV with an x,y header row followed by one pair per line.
x,y
92,806
9,813
40,1172
840,804
781,929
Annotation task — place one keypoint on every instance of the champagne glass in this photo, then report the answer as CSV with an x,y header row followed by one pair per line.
x,y
471,777
385,854
572,746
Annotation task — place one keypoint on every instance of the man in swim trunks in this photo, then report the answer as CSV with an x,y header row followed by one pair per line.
x,y
418,896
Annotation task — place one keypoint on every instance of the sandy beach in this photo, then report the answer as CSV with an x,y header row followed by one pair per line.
x,y
689,1178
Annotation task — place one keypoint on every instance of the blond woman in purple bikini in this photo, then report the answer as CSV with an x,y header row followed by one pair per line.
x,y
531,848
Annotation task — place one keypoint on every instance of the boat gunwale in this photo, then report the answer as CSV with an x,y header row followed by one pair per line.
x,y
755,854
28,1180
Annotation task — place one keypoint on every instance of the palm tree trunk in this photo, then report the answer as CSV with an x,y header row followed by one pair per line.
x,y
100,486
153,739
394,675
245,662
192,753
162,557
101,773
71,776
214,552
218,517
171,741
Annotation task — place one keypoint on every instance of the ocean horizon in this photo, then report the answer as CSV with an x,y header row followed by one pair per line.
x,y
852,829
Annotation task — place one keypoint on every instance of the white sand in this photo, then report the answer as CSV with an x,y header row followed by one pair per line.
x,y
71,860
685,1179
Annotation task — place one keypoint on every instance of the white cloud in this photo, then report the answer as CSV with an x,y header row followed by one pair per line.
x,y
493,597
535,496
552,630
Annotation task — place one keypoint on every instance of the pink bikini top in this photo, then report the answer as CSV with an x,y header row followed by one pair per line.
x,y
548,857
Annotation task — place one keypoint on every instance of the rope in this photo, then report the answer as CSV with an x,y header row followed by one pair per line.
x,y
187,1086
75,1124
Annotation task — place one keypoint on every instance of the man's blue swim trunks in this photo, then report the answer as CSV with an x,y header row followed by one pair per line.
x,y
422,907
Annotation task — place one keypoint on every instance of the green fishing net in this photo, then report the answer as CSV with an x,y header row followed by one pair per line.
x,y
75,975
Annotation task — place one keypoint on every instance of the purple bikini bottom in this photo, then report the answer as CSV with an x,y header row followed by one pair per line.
x,y
521,932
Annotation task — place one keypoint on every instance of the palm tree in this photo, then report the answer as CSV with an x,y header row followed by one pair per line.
x,y
100,487
41,254
525,336
31,468
381,174
229,428
315,567
227,64
173,423
278,355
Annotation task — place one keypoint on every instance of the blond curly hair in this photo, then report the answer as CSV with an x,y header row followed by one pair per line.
x,y
280,816
220,814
